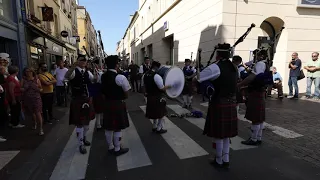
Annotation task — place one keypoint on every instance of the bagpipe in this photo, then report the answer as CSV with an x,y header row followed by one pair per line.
x,y
206,87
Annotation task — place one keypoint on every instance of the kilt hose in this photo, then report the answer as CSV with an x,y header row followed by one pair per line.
x,y
222,120
156,107
115,117
98,103
80,116
188,88
256,107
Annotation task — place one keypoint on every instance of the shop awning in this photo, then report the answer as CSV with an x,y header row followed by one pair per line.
x,y
71,47
44,34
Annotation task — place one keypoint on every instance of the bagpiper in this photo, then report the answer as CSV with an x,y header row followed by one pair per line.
x,y
145,67
222,119
115,89
255,111
189,73
81,110
156,103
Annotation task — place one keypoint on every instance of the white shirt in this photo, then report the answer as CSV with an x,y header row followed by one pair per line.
x,y
240,69
259,67
74,74
157,79
122,81
141,69
211,72
60,73
193,69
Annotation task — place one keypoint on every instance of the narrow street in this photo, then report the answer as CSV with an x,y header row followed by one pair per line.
x,y
182,153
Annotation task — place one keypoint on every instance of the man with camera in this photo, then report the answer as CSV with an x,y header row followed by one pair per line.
x,y
295,67
313,76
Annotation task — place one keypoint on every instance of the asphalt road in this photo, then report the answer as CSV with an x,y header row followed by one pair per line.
x,y
182,153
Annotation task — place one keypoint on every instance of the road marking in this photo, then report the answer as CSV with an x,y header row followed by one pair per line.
x,y
200,122
180,142
6,157
204,104
276,129
72,164
137,155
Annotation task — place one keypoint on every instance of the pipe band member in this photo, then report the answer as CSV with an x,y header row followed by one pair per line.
x,y
145,67
222,119
256,108
81,110
189,73
115,88
156,104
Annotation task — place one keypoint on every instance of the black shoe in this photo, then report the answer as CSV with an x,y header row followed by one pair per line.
x,y
85,142
226,165
259,142
216,164
161,131
185,106
250,142
111,151
121,151
154,129
83,149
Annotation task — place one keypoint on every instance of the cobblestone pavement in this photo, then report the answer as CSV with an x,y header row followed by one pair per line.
x,y
300,116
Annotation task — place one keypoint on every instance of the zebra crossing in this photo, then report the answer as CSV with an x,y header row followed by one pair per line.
x,y
73,165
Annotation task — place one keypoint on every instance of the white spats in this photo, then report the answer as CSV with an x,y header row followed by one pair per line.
x,y
72,164
180,142
200,122
80,134
6,157
109,139
137,155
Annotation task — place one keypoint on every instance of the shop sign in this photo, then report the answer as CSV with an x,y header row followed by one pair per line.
x,y
33,50
166,26
64,34
309,3
55,49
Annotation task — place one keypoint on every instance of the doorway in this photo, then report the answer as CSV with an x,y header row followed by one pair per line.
x,y
169,49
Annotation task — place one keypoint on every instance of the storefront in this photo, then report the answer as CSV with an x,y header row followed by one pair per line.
x,y
54,52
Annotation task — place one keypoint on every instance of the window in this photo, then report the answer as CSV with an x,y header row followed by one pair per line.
x,y
6,9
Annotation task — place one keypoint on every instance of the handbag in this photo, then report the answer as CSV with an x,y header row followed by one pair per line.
x,y
301,75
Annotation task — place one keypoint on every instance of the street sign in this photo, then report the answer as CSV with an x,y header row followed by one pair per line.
x,y
64,34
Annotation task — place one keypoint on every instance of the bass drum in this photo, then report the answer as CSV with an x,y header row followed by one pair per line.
x,y
173,76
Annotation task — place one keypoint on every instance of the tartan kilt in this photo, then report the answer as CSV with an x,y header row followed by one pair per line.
x,y
80,116
256,107
115,115
156,109
188,88
98,103
222,120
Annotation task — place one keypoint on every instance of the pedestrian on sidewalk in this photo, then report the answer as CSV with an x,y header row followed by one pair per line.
x,y
60,88
156,103
31,99
133,71
115,88
189,73
222,118
81,109
3,105
313,76
295,67
256,108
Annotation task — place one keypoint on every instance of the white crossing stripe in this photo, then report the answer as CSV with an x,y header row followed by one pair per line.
x,y
276,129
200,122
72,164
6,157
179,141
204,104
137,155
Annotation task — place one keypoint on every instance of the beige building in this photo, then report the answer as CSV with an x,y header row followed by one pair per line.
x,y
86,32
173,30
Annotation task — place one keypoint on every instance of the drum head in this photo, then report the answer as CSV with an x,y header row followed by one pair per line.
x,y
174,76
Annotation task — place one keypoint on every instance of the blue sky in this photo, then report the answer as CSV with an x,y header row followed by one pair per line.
x,y
111,17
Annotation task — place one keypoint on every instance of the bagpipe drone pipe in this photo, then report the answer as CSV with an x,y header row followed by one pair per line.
x,y
206,87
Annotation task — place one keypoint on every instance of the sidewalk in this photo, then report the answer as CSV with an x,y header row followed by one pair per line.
x,y
22,142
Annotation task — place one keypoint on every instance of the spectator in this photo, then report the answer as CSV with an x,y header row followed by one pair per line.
x,y
277,83
53,69
47,82
133,71
14,96
295,67
31,87
60,88
313,76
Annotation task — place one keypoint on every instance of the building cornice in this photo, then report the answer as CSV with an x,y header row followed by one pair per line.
x,y
133,20
164,13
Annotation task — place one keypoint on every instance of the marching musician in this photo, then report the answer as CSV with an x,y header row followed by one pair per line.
x,y
156,104
80,106
115,88
242,73
96,94
255,111
145,67
222,120
189,73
